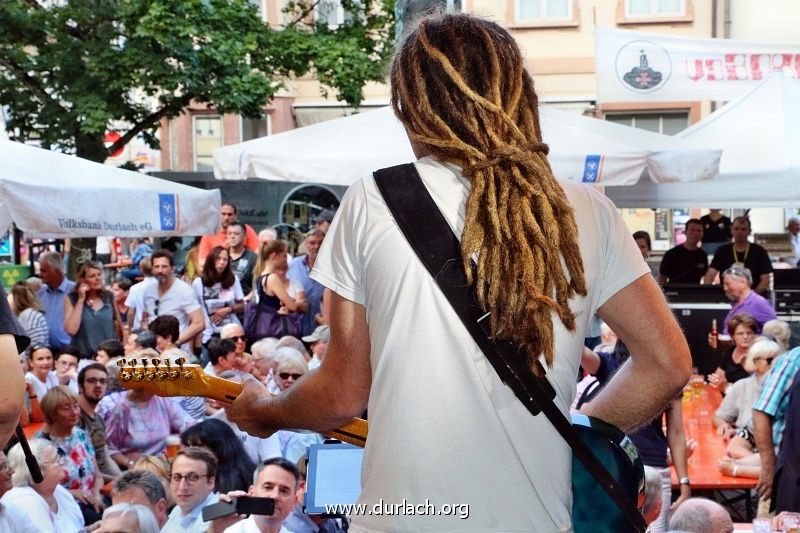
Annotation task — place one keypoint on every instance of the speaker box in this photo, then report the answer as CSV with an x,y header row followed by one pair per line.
x,y
696,319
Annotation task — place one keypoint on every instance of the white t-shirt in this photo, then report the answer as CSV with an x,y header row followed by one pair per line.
x,y
216,297
259,450
443,427
14,520
178,301
68,517
248,525
135,299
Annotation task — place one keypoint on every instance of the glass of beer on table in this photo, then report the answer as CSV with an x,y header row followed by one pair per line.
x,y
173,446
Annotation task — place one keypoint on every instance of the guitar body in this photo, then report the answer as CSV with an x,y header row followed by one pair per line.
x,y
593,511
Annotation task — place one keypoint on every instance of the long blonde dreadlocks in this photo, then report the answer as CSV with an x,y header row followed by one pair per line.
x,y
459,86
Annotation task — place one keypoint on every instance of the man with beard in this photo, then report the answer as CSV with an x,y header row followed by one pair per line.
x,y
92,385
736,281
299,270
171,296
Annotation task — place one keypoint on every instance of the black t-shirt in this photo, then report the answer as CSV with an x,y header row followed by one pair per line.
x,y
733,371
9,324
243,268
719,231
681,265
756,259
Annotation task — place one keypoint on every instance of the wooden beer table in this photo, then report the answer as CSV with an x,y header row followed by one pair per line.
x,y
703,472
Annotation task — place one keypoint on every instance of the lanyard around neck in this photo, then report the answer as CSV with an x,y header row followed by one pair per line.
x,y
736,255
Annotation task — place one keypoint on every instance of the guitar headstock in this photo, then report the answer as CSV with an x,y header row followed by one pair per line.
x,y
164,377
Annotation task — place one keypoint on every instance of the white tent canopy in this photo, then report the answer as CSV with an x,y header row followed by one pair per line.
x,y
48,194
760,136
339,151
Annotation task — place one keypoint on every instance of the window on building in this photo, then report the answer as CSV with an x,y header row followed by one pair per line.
x,y
261,8
332,13
254,128
655,8
207,137
665,123
543,10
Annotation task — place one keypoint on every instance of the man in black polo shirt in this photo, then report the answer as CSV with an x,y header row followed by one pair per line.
x,y
687,262
753,256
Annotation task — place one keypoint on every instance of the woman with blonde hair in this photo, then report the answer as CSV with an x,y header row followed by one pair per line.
x,y
49,505
82,476
30,313
89,311
736,410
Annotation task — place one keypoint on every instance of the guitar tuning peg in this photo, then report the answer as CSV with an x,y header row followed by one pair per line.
x,y
144,363
122,363
180,361
155,361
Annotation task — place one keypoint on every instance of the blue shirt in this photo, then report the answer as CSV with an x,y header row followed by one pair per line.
x,y
299,272
53,302
774,397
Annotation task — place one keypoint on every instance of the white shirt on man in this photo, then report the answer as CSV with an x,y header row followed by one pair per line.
x,y
135,299
469,440
248,525
192,522
179,301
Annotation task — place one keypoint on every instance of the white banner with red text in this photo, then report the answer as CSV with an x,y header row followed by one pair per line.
x,y
633,66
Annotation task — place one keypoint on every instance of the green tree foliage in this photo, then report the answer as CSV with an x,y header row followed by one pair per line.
x,y
69,68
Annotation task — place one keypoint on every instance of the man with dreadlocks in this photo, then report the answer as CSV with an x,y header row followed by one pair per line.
x,y
443,428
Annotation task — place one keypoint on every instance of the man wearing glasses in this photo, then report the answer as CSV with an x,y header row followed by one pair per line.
x,y
92,385
191,483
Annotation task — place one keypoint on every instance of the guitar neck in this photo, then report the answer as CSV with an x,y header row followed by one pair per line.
x,y
191,380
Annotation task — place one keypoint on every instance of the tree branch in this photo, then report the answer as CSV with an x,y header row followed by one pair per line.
x,y
146,122
34,4
304,12
28,81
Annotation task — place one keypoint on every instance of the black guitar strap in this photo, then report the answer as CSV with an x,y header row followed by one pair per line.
x,y
431,238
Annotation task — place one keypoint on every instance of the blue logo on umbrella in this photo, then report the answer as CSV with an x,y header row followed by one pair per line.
x,y
168,212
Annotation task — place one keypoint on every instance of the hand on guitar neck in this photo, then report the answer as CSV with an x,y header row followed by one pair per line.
x,y
166,378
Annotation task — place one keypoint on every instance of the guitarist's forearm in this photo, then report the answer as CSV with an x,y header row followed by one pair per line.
x,y
310,404
326,397
660,362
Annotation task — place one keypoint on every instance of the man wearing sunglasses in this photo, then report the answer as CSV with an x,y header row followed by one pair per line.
x,y
736,282
92,385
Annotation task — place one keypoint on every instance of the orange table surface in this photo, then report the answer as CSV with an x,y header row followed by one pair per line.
x,y
697,415
32,428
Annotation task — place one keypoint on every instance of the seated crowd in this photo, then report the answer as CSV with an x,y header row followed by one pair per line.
x,y
756,375
103,449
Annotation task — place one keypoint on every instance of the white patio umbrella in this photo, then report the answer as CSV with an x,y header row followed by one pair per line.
x,y
760,133
337,152
49,194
